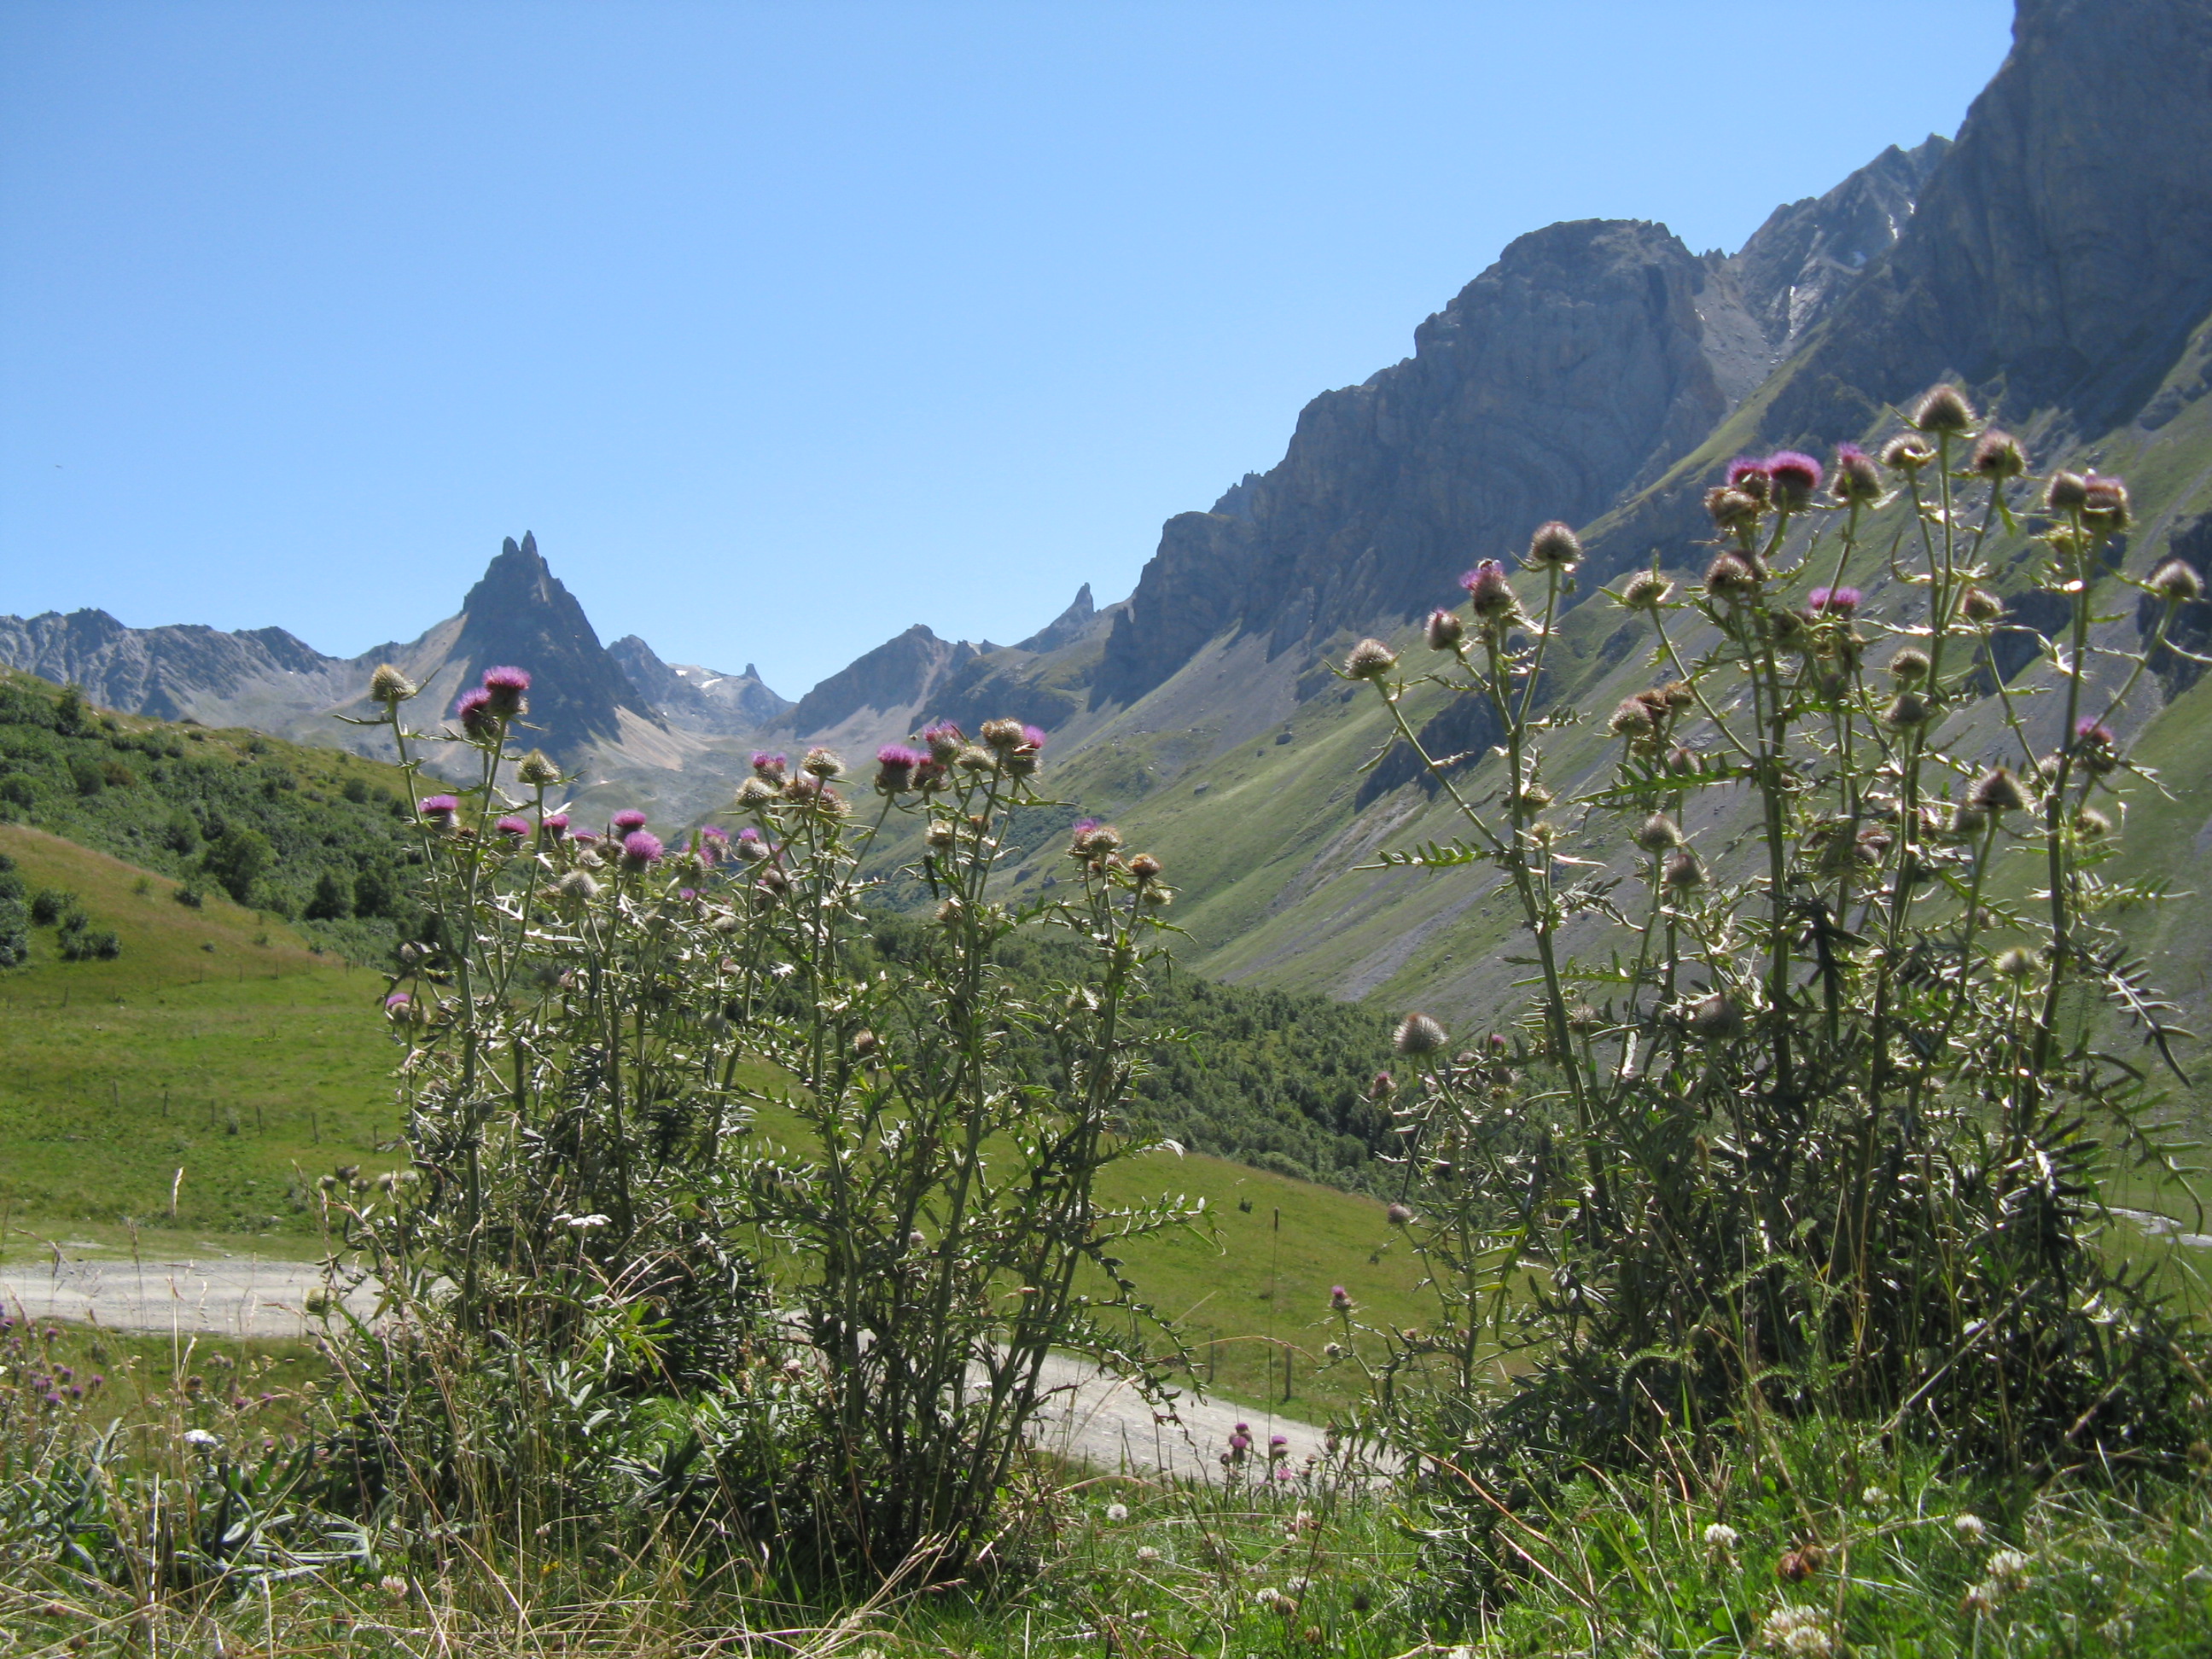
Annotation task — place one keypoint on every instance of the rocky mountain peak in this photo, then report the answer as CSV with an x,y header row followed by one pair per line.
x,y
881,690
519,612
700,699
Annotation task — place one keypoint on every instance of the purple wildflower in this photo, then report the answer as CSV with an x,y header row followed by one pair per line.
x,y
1833,601
505,689
475,713
1796,476
439,810
1858,478
895,765
585,838
944,740
627,819
1489,594
554,825
1034,737
1749,477
769,769
511,825
687,894
2089,730
641,850
1339,1298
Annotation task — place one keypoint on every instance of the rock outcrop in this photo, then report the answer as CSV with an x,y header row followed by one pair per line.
x,y
695,698
880,692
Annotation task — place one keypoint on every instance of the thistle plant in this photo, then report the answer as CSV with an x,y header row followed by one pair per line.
x,y
1812,1116
717,1218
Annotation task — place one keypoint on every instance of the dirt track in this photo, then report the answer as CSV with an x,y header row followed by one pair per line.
x,y
1093,1419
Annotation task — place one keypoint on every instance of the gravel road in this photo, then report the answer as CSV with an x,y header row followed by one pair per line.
x,y
1093,1419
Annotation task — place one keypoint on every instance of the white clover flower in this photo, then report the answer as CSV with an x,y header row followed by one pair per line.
x,y
201,1440
1796,1630
1970,1528
1267,1596
393,1586
1874,1497
2009,1570
1117,1512
1147,1554
1721,1538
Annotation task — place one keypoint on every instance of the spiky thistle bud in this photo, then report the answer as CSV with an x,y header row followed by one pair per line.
x,y
2105,501
1909,666
754,793
1001,734
578,885
1658,834
824,763
1730,578
973,758
1942,408
1731,509
1647,590
388,685
1980,607
2017,963
1682,870
1997,456
1419,1035
1399,1215
2091,824
1907,453
2067,492
1997,792
1144,867
2176,582
1858,478
1716,1016
1634,719
1906,710
1444,630
537,769
944,740
1554,547
1370,660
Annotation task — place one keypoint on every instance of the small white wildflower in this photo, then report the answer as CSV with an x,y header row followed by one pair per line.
x,y
201,1439
393,1586
1796,1630
1874,1497
2009,1570
1267,1596
1147,1554
1721,1538
1117,1512
1978,1600
1970,1528
1295,1586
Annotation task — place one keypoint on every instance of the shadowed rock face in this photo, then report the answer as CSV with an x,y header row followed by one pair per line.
x,y
1559,377
161,672
2065,243
703,699
897,675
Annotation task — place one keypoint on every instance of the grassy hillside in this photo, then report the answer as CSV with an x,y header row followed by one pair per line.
x,y
220,1042
311,835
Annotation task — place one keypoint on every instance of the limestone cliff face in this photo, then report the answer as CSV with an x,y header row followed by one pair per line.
x,y
2062,252
879,692
1568,370
1576,369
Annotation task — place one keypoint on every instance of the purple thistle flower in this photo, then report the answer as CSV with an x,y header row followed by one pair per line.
x,y
397,999
1034,736
585,838
2089,730
627,819
505,689
1488,592
511,825
687,894
1796,476
894,767
438,809
1750,476
1339,1297
1833,601
749,834
714,832
555,826
769,768
641,850
475,713
944,740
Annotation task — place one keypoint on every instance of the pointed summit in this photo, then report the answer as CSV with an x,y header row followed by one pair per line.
x,y
521,613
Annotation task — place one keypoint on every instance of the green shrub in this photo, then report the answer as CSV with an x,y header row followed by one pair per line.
x,y
50,904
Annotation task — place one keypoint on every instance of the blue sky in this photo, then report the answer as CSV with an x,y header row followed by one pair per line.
x,y
786,326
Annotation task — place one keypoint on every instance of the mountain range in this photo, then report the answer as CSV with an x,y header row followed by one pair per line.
x,y
2056,260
